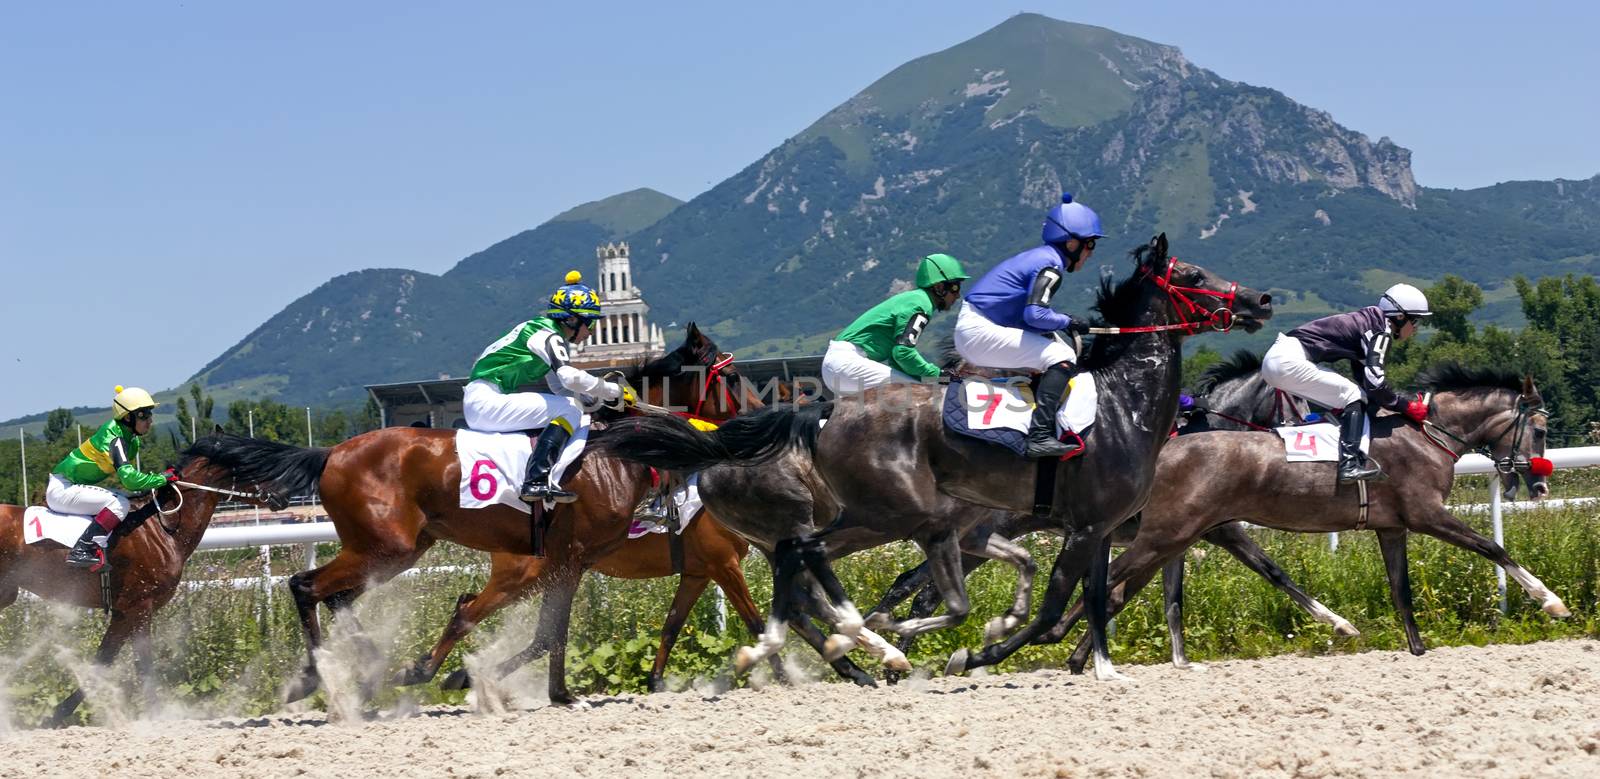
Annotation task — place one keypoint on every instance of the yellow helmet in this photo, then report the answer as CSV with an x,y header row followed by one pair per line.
x,y
129,400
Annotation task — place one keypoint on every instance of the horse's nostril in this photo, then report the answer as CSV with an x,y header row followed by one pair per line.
x,y
1266,300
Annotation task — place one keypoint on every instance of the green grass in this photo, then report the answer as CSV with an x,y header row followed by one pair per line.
x,y
228,652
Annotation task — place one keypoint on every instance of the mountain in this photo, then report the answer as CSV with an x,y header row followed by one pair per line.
x,y
962,151
392,324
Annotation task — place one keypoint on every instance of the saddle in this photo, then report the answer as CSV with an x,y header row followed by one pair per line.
x,y
999,410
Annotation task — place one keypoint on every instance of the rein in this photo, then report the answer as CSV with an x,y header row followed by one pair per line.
x,y
714,374
1508,464
1219,319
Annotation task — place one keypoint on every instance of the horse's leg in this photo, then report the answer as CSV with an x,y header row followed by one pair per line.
x,y
1443,525
122,627
730,577
997,547
1095,592
689,590
908,583
845,617
1172,604
555,615
786,566
1071,563
944,560
1393,543
511,577
802,625
1244,548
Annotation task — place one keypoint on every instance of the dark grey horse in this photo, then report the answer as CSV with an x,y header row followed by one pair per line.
x,y
891,470
1208,479
1229,396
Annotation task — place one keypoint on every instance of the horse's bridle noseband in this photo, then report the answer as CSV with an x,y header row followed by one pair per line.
x,y
1511,463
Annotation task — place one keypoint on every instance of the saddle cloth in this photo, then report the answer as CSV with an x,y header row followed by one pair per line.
x,y
40,523
1000,412
493,466
687,497
1314,443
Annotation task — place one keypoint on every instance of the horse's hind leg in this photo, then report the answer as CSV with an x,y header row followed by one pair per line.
x,y
124,625
1444,526
1244,548
730,577
1393,543
511,577
944,560
786,566
555,614
689,590
1172,602
1071,563
802,625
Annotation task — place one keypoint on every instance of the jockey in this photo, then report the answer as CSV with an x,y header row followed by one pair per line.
x,y
1363,338
880,347
111,450
539,349
1007,321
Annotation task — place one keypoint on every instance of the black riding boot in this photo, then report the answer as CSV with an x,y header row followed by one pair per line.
x,y
86,553
1042,440
1353,465
537,486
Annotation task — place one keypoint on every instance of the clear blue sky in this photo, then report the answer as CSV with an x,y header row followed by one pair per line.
x,y
172,174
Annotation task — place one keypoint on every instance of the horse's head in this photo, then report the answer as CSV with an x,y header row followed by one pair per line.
x,y
1197,296
696,376
1495,412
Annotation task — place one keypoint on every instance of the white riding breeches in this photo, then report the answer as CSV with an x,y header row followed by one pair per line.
x,y
847,370
1286,367
489,410
64,497
987,345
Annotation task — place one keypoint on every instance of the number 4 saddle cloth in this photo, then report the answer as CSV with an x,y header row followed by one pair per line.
x,y
1000,410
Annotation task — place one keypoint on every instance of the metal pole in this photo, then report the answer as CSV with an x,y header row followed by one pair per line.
x,y
80,433
311,555
1499,537
722,611
266,551
309,442
22,440
1333,542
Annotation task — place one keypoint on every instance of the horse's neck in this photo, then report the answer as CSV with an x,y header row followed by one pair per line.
x,y
1248,398
1476,417
193,521
1142,381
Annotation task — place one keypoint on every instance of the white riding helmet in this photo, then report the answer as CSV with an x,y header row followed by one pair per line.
x,y
1404,300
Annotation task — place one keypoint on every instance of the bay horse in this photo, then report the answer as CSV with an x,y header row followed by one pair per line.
x,y
1211,478
887,463
709,551
145,564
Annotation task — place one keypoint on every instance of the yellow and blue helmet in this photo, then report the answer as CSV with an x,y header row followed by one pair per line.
x,y
574,299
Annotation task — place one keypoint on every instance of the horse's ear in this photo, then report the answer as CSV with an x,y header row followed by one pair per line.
x,y
695,336
1528,390
1160,249
216,429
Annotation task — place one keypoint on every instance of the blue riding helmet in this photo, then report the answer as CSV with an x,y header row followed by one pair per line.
x,y
1071,220
574,300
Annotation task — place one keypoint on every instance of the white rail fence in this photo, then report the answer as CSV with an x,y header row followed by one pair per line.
x,y
308,534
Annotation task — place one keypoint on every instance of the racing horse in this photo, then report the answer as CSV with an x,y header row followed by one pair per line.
x,y
1207,479
709,551
887,462
145,563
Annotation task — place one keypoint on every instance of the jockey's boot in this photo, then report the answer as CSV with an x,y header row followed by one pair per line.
x,y
1353,465
1042,440
86,553
537,487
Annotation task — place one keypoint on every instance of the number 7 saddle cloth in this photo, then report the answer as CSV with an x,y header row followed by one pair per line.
x,y
1000,410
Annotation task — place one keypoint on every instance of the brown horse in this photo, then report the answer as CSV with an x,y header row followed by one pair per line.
x,y
393,493
145,560
710,552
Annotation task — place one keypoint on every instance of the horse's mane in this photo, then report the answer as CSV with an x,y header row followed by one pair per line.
x,y
1237,365
1118,305
290,470
1447,376
670,364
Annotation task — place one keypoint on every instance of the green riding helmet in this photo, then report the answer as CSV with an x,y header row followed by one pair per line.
x,y
939,267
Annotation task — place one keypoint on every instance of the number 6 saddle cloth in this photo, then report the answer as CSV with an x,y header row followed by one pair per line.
x,y
1000,410
493,465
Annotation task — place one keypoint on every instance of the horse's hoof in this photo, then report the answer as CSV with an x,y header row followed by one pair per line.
x,y
457,680
745,657
1112,675
998,628
303,687
563,698
1344,628
414,675
1187,666
837,646
895,660
878,620
656,684
1555,608
1076,667
957,664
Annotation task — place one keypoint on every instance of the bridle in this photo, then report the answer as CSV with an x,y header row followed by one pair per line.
x,y
1219,319
716,373
259,496
1517,427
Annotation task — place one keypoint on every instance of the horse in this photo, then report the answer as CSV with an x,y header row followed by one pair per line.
x,y
709,552
145,563
888,469
1228,395
393,493
1207,479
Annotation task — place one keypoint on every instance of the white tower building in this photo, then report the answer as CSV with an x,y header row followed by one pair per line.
x,y
624,333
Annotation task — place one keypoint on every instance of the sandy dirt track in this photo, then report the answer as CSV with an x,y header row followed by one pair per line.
x,y
1498,711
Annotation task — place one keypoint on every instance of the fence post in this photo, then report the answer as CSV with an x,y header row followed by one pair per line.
x,y
1499,536
311,555
22,441
1333,542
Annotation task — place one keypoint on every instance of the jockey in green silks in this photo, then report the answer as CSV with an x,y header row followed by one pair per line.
x,y
880,347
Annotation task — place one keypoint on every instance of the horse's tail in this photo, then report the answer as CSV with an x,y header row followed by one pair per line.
x,y
280,468
671,443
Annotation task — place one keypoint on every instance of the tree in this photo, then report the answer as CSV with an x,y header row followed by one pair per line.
x,y
58,425
189,425
1453,299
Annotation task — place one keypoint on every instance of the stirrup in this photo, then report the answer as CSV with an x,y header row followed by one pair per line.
x,y
94,563
536,491
1041,447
